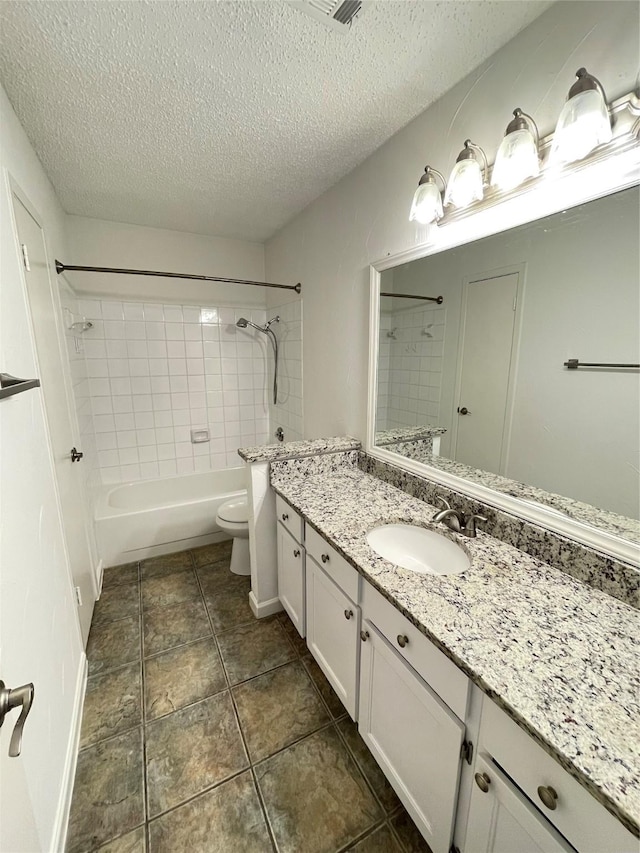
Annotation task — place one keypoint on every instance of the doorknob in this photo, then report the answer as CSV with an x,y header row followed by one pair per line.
x,y
21,696
76,455
463,411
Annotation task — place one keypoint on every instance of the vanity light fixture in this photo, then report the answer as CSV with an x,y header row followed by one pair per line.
x,y
427,200
584,122
466,183
517,158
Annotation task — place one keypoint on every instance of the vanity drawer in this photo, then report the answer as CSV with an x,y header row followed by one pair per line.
x,y
577,814
441,674
344,575
290,518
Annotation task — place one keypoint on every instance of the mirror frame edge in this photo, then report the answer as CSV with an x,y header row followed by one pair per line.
x,y
492,216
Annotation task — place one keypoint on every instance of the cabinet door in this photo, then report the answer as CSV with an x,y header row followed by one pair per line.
x,y
291,580
332,634
502,820
413,736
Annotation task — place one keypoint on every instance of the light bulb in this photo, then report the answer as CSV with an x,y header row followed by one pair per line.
x,y
584,122
517,158
427,199
465,184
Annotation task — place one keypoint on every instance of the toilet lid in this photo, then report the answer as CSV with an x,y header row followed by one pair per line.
x,y
236,511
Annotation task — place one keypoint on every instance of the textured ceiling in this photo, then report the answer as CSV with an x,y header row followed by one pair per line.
x,y
227,118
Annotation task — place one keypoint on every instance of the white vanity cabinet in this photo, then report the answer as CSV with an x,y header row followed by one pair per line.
x,y
291,565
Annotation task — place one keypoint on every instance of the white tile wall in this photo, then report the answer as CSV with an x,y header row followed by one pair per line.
x,y
155,372
287,413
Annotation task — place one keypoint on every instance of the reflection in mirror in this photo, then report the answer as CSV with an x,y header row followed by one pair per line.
x,y
481,385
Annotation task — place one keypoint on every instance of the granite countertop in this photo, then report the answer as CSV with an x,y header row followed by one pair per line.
x,y
558,656
296,449
401,434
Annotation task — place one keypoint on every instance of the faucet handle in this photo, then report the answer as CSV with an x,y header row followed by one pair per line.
x,y
444,503
470,523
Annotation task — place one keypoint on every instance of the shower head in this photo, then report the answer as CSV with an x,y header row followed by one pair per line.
x,y
242,323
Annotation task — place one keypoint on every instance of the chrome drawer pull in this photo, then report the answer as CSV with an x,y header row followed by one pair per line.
x,y
482,781
548,796
285,516
325,558
364,636
403,640
348,614
296,552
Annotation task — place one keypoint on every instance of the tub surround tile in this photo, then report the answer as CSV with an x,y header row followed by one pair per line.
x,y
228,818
252,649
112,704
166,564
169,589
182,676
167,627
269,724
214,553
132,842
192,750
113,644
117,602
368,765
108,798
316,798
291,449
117,575
557,655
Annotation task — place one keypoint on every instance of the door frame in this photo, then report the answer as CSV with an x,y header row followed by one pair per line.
x,y
499,272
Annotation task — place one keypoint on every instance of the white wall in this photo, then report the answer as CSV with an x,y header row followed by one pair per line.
x,y
287,412
365,216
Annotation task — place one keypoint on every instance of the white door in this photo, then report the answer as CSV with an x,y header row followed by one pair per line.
x,y
413,736
487,336
332,634
291,578
502,820
57,404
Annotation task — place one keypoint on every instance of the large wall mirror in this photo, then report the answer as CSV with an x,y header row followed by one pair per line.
x,y
483,384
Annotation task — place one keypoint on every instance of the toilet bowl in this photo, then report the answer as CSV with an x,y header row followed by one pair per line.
x,y
233,518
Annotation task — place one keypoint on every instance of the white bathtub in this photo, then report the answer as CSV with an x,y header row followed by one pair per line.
x,y
139,520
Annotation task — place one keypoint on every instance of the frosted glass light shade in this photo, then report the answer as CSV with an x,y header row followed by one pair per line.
x,y
427,204
465,184
584,124
516,160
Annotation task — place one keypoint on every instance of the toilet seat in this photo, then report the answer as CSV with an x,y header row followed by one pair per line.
x,y
235,511
233,518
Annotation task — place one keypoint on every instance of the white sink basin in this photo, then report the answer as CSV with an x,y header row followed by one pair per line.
x,y
418,549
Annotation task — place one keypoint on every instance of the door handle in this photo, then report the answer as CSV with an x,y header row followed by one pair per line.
x,y
463,410
20,696
11,385
76,455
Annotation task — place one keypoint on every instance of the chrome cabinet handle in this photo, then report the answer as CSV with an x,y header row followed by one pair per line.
x,y
482,781
325,558
20,696
549,796
296,552
285,516
364,636
348,614
403,640
76,455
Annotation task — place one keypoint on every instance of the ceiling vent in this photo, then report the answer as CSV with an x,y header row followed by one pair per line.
x,y
337,14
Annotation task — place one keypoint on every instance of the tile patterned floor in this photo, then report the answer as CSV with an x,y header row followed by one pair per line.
x,y
207,730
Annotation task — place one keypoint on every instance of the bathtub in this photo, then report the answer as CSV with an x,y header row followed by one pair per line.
x,y
152,517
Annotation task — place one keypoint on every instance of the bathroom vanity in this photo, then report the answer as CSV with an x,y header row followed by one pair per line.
x,y
498,701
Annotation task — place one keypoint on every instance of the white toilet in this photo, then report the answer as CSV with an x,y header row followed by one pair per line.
x,y
233,518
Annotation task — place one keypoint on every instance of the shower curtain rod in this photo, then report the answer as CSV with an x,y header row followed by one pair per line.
x,y
438,299
60,267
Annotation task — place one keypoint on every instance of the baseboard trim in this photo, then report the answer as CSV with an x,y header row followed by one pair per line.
x,y
61,823
264,608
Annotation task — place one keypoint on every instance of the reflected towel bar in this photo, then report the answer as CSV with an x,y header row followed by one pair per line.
x,y
438,299
574,364
60,267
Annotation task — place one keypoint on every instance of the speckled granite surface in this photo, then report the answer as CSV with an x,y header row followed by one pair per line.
x,y
559,657
391,436
291,449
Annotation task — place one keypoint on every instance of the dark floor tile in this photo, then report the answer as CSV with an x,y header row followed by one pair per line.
x,y
218,576
112,704
192,750
166,627
316,798
169,589
229,607
408,833
253,649
369,766
113,644
117,575
108,796
277,709
132,842
335,706
155,567
299,643
226,820
117,602
379,841
212,553
181,677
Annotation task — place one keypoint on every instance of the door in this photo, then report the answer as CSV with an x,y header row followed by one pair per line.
x,y
332,634
487,349
413,736
57,405
502,820
291,578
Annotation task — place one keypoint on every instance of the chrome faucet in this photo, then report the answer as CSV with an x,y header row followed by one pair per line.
x,y
457,521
